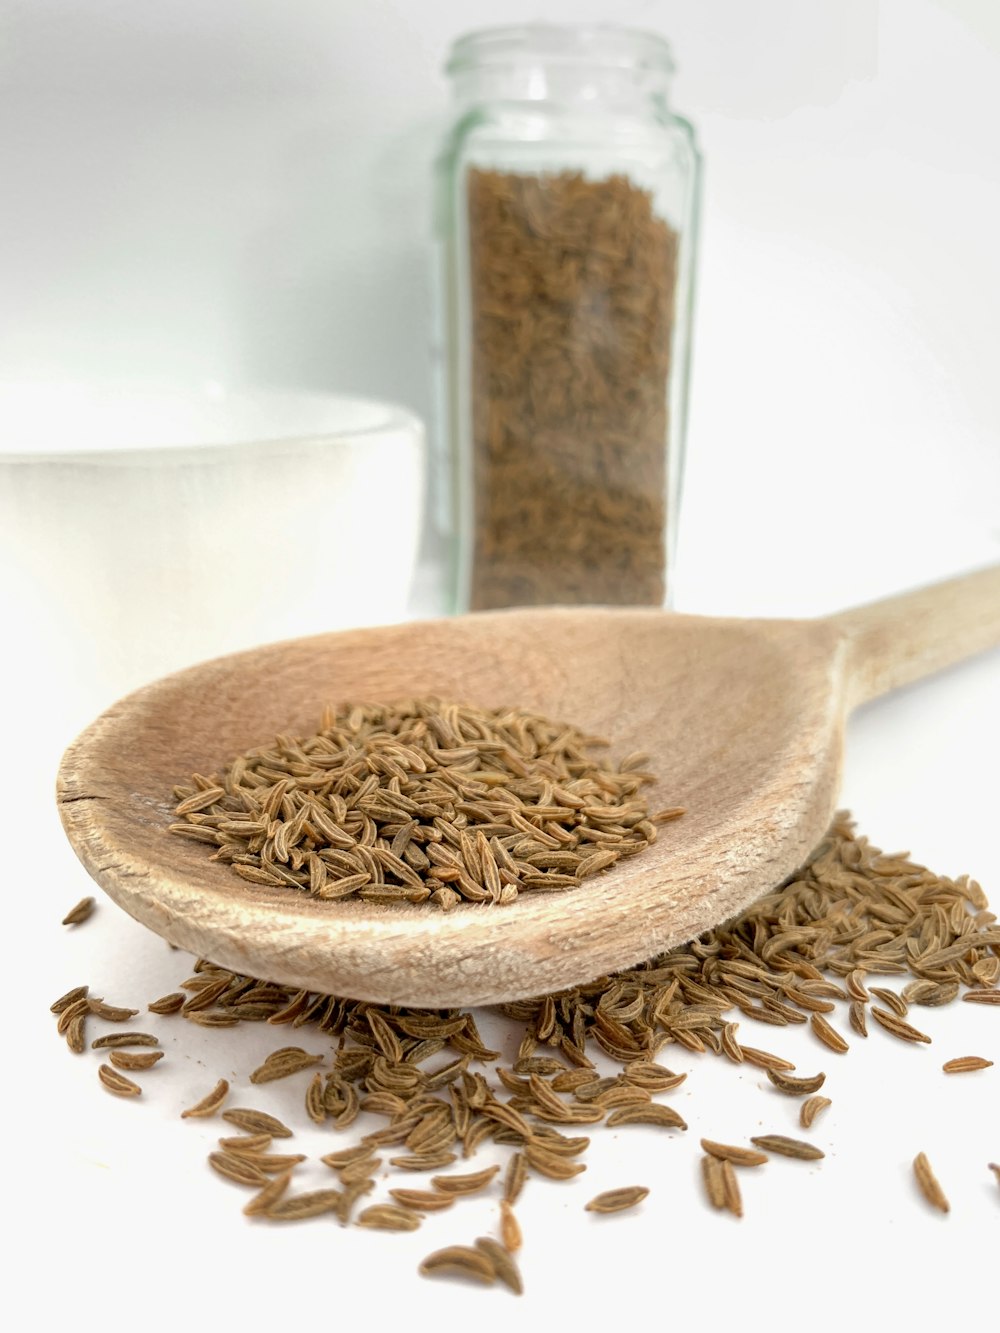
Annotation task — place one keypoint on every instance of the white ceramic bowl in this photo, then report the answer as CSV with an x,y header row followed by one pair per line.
x,y
142,531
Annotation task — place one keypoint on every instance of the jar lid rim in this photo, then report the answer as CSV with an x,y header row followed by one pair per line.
x,y
601,44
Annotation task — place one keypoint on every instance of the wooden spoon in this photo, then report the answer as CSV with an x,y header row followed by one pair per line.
x,y
744,721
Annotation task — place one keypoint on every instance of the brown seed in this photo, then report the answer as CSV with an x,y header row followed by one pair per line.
x,y
514,1178
795,1087
135,1059
75,1035
467,1184
786,1147
80,913
928,1183
385,1217
764,1059
504,1266
858,1017
995,1168
510,1229
269,1195
731,1190
167,1004
353,1173
828,1034
73,996
242,1170
982,996
423,1162
279,1064
895,1003
78,1009
256,1122
618,1200
653,1114
552,1165
727,1152
270,1163
711,1174
811,1108
115,1039
965,1064
246,1143
299,1207
111,1012
210,1103
118,1083
346,1156
423,1201
459,1261
897,1026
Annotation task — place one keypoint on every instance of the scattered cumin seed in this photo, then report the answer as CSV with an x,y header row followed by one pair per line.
x,y
269,1195
135,1059
929,1186
246,1143
256,1122
510,1229
423,1201
115,1039
764,1059
514,1178
811,1108
167,1004
503,1265
467,1184
653,1114
242,1170
118,1083
71,997
112,1013
731,1189
786,1147
387,1217
282,1063
711,1174
80,913
552,1165
727,1152
897,1026
300,1207
459,1261
828,1034
617,1200
965,1064
795,1087
210,1103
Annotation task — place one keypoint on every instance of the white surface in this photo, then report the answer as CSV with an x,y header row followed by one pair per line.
x,y
238,193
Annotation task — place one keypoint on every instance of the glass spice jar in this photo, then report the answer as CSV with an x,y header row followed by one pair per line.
x,y
567,207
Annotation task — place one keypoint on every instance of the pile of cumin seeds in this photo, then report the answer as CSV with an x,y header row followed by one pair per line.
x,y
423,801
418,1092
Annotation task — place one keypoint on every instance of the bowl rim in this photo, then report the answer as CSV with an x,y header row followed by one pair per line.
x,y
387,419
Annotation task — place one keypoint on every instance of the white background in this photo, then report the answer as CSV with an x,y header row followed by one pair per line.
x,y
239,192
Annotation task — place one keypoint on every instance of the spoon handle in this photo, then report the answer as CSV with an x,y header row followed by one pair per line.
x,y
903,638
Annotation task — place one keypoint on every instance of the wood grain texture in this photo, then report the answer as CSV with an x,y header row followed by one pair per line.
x,y
744,720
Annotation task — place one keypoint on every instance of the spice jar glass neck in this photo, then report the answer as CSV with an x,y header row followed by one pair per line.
x,y
579,66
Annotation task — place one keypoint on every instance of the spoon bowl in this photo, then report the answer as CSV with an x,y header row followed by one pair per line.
x,y
743,721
